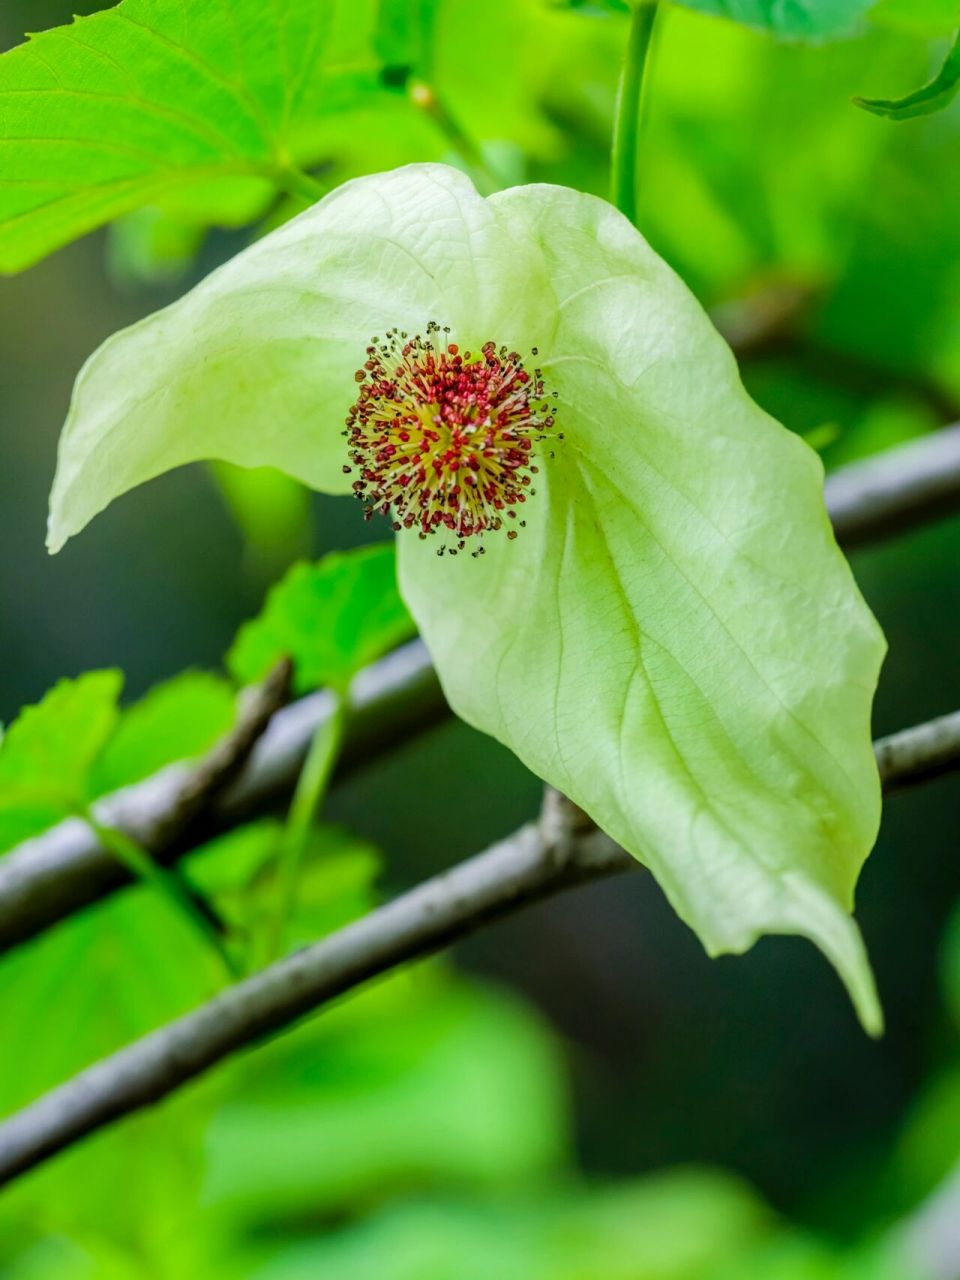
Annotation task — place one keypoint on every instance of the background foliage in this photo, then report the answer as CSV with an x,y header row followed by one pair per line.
x,y
585,1094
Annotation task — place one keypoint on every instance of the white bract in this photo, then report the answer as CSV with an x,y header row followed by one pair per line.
x,y
673,640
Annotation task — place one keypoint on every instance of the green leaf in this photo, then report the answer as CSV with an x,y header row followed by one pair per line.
x,y
404,34
936,95
150,246
272,513
240,870
950,967
677,1226
929,17
674,640
421,1080
74,995
798,18
177,720
594,6
647,644
151,101
331,618
47,753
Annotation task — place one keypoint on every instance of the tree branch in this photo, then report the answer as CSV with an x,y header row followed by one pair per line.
x,y
894,491
563,850
66,868
920,754
536,861
46,879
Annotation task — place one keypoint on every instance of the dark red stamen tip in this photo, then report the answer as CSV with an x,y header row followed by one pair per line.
x,y
443,439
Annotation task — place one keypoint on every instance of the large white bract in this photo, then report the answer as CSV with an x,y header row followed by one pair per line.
x,y
675,640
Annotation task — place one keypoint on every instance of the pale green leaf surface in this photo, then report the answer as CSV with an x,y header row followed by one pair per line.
x,y
331,618
675,639
150,101
176,720
255,366
789,17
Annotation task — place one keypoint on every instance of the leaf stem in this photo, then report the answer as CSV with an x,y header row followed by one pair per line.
x,y
626,124
298,183
425,97
140,864
307,801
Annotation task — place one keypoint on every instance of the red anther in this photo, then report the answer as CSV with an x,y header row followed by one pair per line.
x,y
443,439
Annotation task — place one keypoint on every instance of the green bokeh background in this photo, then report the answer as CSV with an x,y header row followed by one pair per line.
x,y
555,1112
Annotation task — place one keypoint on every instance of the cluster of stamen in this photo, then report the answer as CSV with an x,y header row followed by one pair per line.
x,y
443,440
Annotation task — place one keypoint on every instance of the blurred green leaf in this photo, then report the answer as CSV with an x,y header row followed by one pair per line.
x,y
493,66
793,1255
929,17
272,512
98,980
883,424
331,618
125,108
594,6
404,34
423,1080
927,1150
935,96
151,246
177,720
950,967
800,18
239,870
673,1227
231,862
336,885
47,753
70,997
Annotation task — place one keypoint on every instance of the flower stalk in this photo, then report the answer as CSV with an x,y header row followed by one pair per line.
x,y
306,804
425,98
195,912
626,123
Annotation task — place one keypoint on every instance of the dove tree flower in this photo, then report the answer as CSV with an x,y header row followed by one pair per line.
x,y
646,604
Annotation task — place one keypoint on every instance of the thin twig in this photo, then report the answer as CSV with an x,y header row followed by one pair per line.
x,y
920,754
626,117
894,491
169,882
308,797
529,865
564,849
48,878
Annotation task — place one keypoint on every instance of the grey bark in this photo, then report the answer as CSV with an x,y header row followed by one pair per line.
x,y
46,879
564,849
